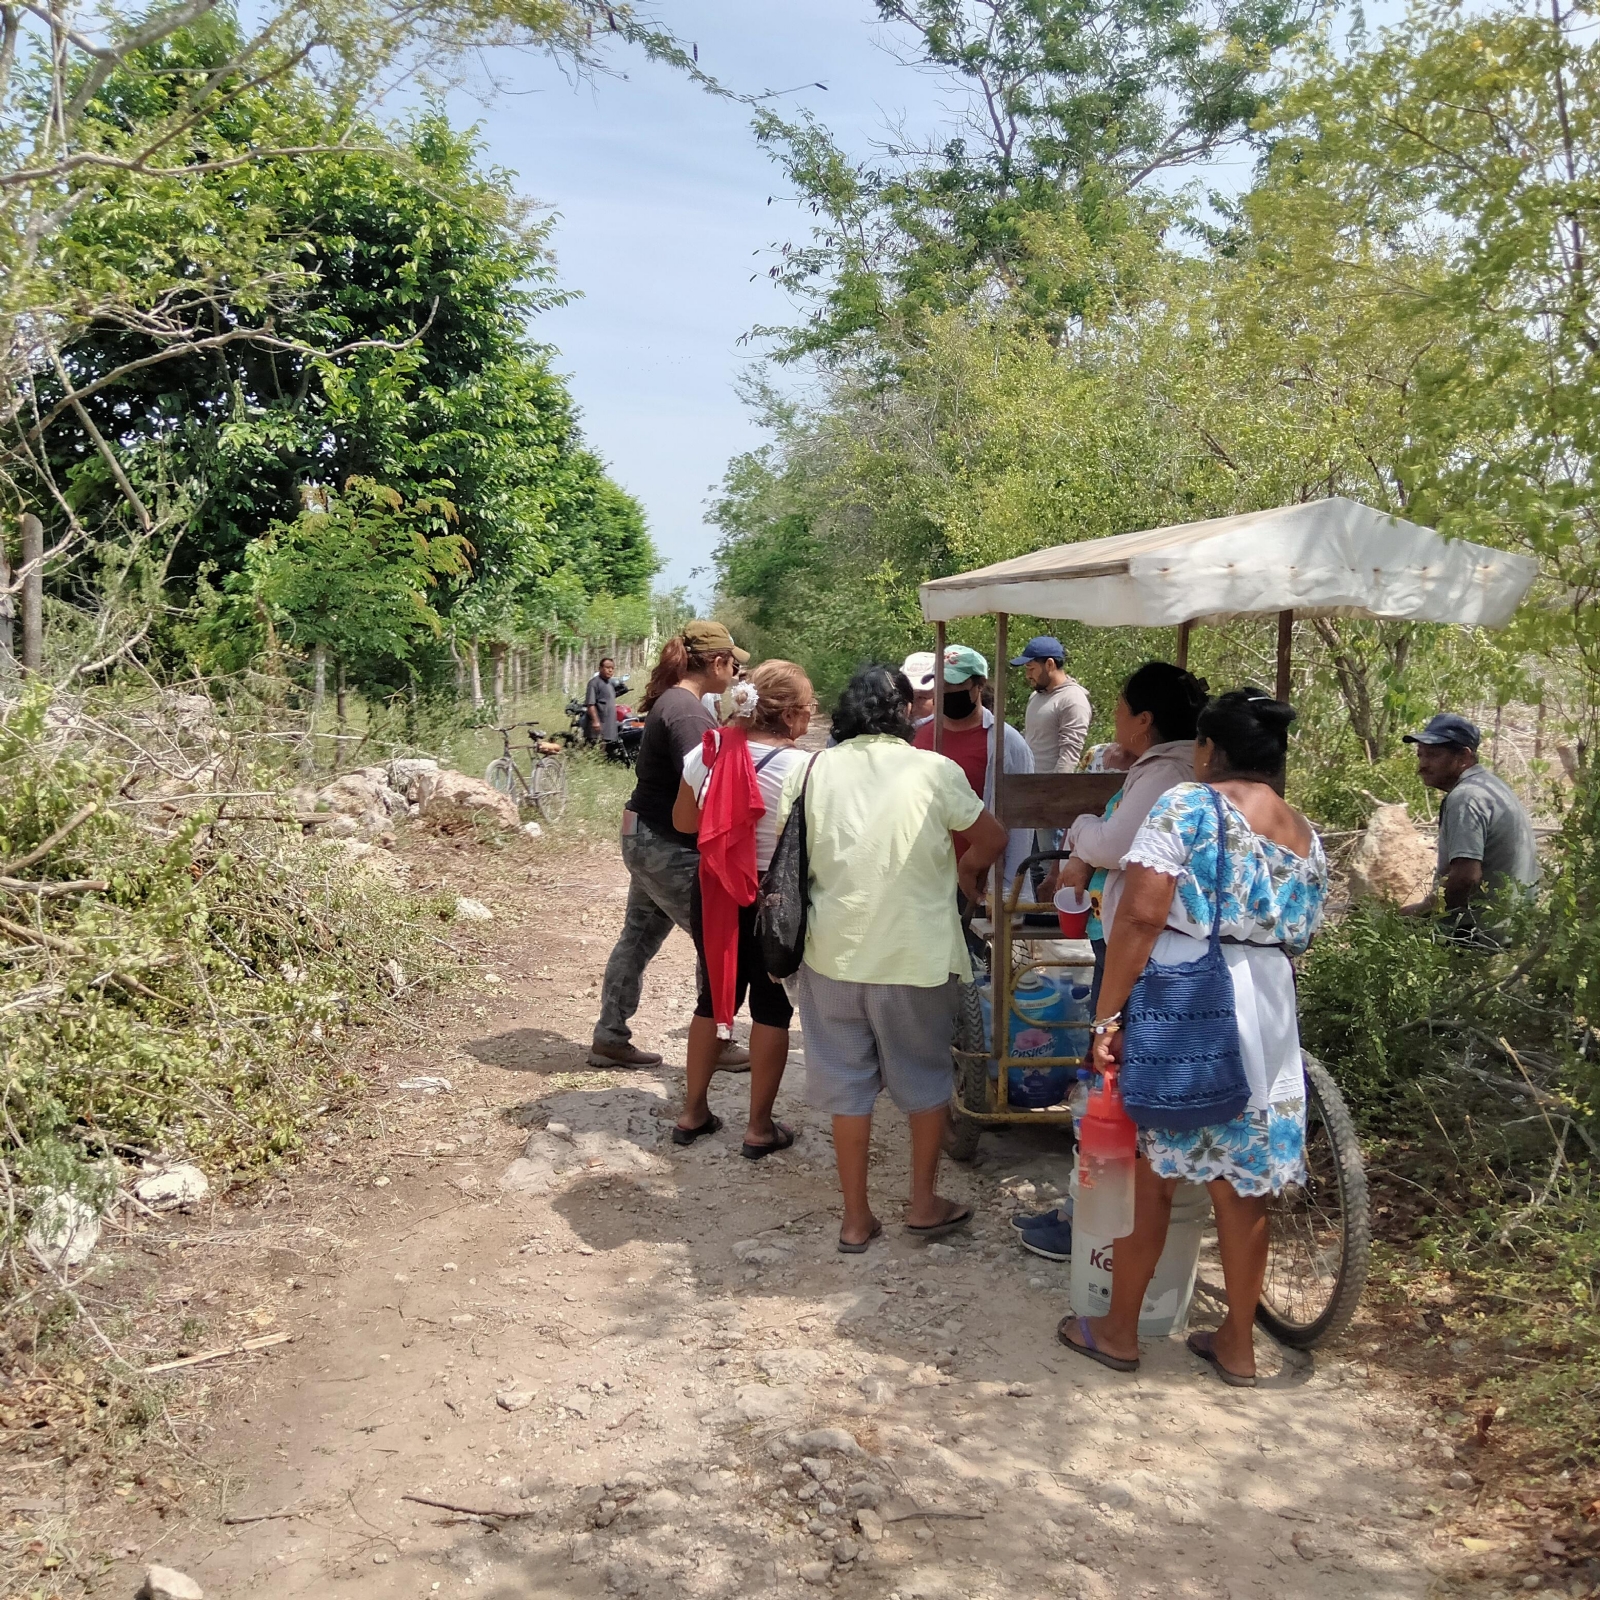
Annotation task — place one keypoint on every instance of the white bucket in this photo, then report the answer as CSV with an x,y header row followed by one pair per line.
x,y
1166,1301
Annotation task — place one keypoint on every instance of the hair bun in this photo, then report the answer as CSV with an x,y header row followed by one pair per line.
x,y
1276,714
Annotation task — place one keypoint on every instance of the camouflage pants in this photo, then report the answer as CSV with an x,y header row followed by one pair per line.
x,y
662,875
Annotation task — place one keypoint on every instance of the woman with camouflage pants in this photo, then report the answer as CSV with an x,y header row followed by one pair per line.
x,y
662,863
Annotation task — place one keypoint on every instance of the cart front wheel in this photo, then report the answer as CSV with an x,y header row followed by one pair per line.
x,y
1319,1235
971,1069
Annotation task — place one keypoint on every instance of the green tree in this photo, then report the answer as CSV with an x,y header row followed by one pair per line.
x,y
355,577
1045,196
1476,132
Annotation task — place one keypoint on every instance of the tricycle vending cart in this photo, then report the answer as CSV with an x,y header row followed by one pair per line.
x,y
1325,558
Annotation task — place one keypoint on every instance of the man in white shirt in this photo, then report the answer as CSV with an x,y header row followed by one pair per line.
x,y
1056,723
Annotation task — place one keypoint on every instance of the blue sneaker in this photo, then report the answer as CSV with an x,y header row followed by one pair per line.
x,y
1051,1239
1032,1219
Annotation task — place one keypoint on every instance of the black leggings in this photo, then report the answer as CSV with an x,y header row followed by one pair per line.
x,y
769,1005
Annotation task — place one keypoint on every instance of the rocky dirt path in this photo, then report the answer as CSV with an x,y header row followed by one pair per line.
x,y
639,1370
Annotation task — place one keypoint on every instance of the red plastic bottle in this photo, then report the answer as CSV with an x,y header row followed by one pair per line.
x,y
1107,1144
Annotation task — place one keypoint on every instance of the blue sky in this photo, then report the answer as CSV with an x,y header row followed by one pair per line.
x,y
667,216
661,195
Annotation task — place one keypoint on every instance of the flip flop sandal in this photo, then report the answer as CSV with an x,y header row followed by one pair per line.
x,y
1090,1349
847,1249
1199,1344
937,1230
712,1124
754,1152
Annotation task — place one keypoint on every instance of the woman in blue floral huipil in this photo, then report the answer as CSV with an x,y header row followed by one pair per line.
x,y
1275,882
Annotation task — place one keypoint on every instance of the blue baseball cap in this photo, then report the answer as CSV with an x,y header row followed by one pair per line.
x,y
1447,728
1043,647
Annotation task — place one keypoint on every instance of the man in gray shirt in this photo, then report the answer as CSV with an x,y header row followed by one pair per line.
x,y
1485,837
1056,722
600,706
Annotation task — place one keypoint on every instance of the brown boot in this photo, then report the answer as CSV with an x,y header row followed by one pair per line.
x,y
622,1055
733,1057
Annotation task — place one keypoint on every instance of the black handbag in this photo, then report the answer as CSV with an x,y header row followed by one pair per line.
x,y
784,893
1181,1063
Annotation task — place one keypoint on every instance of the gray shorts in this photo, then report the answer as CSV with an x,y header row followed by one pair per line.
x,y
861,1038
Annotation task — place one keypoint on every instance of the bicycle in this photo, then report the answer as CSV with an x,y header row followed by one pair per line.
x,y
1320,1232
544,785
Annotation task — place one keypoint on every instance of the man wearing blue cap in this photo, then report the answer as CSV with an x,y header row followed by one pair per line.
x,y
1056,722
1485,837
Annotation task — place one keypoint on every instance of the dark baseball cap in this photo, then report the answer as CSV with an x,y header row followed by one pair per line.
x,y
1042,647
1447,728
712,639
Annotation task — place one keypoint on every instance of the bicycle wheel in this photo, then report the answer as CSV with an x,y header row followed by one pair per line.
x,y
1319,1235
549,787
971,1068
502,774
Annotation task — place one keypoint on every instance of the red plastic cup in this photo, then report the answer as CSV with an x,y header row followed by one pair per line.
x,y
1072,910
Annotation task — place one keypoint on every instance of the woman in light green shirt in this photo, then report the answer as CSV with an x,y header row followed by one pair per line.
x,y
884,949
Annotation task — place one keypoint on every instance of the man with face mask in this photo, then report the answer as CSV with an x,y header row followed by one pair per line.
x,y
967,735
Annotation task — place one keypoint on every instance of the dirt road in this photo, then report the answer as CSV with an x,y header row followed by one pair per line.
x,y
518,1297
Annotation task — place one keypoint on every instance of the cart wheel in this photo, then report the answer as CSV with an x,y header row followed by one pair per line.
x,y
549,787
971,1066
1320,1236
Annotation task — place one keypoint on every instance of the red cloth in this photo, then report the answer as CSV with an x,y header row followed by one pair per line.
x,y
969,749
729,808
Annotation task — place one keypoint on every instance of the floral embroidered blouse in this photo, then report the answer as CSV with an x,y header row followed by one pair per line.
x,y
1270,895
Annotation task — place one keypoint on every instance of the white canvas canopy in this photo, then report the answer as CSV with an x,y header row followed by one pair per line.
x,y
1328,558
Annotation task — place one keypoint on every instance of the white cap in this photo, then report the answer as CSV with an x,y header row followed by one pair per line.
x,y
918,667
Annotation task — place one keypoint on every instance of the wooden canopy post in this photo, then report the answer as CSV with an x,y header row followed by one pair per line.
x,y
938,688
1183,643
1285,651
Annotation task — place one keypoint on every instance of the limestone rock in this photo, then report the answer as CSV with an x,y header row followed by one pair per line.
x,y
514,1399
415,777
756,1402
1392,861
468,910
613,1131
870,1524
816,1571
64,1229
167,1583
456,803
178,1185
364,796
834,1439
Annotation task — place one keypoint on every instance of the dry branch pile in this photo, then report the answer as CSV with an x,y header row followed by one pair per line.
x,y
173,979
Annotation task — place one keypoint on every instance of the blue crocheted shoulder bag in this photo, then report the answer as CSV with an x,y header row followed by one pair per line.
x,y
1181,1064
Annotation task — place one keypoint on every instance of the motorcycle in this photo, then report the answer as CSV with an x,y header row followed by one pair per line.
x,y
630,728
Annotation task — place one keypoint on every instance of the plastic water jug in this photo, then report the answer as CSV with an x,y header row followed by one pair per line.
x,y
1049,1019
1167,1300
1107,1144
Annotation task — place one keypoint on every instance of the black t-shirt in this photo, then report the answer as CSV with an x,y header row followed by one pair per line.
x,y
676,724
